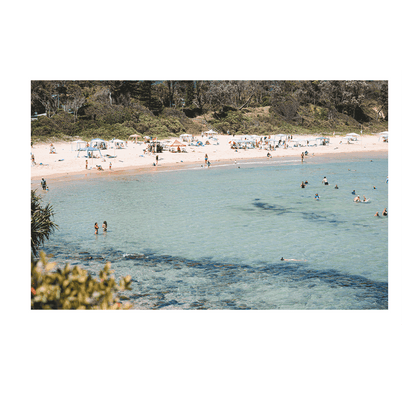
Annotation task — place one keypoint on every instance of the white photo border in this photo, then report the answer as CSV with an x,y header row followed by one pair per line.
x,y
24,316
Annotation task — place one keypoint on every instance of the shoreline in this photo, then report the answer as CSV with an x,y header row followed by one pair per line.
x,y
135,162
134,170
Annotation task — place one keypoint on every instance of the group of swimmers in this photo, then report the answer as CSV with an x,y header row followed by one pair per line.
x,y
384,213
104,226
356,199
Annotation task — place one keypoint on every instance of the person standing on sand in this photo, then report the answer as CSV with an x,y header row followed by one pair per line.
x,y
110,166
96,228
86,164
206,158
157,159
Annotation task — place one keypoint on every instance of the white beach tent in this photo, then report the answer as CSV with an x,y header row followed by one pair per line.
x,y
117,143
210,132
97,143
384,135
186,137
352,136
77,144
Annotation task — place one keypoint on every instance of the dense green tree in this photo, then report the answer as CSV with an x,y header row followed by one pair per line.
x,y
41,223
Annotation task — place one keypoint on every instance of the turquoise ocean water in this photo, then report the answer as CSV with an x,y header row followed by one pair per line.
x,y
213,238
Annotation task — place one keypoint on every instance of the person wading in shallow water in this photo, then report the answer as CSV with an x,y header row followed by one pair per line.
x,y
96,228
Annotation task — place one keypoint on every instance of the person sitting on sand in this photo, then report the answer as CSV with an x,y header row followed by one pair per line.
x,y
384,213
376,214
104,226
96,228
357,199
302,185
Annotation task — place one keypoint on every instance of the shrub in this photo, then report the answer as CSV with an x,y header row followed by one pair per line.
x,y
74,288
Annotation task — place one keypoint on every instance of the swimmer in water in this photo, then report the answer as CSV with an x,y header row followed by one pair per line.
x,y
384,213
376,214
353,192
302,185
325,181
364,199
104,226
357,199
96,228
336,186
317,197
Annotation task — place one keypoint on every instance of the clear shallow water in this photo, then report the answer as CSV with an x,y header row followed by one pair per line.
x,y
213,238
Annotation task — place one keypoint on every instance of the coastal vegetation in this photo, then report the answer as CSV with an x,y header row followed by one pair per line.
x,y
74,288
62,110
41,224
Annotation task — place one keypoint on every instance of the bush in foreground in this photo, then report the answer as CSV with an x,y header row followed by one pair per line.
x,y
74,288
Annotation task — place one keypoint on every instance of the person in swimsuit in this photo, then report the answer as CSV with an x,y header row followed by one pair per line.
x,y
336,186
302,185
317,197
104,226
384,213
96,228
357,199
376,214
43,184
325,181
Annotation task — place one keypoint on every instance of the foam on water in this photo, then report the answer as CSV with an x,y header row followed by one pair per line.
x,y
213,238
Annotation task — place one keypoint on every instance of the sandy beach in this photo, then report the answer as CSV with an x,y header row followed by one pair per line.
x,y
65,161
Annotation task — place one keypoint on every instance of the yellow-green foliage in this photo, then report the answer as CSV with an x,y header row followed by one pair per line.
x,y
74,288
